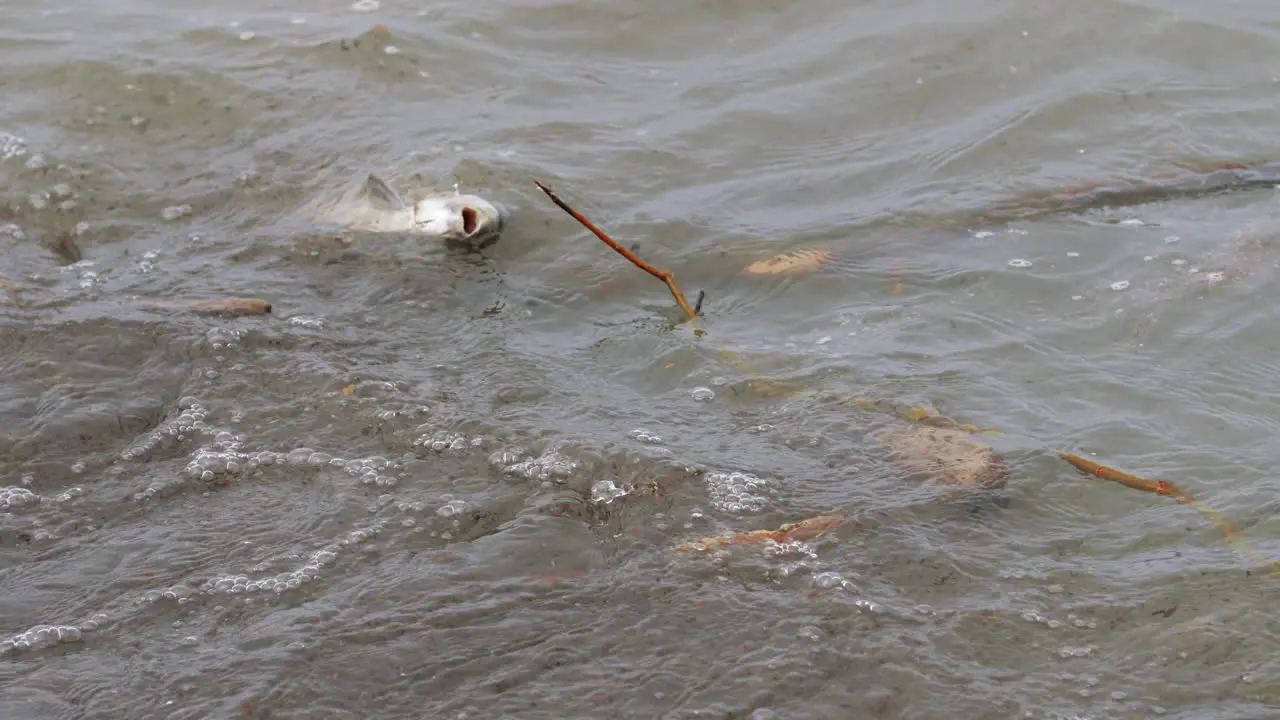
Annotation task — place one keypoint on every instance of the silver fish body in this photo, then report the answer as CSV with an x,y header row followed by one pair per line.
x,y
456,218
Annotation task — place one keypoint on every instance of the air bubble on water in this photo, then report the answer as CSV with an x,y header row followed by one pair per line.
x,y
1148,258
551,465
175,212
737,492
1132,221
1215,276
69,494
868,606
982,234
702,394
11,146
441,440
605,492
365,5
452,508
1073,254
391,50
830,580
299,456
1019,263
1171,240
13,497
810,633
1120,285
41,636
248,35
1070,652
309,323
789,549
646,437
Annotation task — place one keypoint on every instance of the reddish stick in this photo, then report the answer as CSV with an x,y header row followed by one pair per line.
x,y
664,275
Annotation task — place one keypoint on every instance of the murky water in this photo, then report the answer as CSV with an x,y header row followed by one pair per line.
x,y
450,484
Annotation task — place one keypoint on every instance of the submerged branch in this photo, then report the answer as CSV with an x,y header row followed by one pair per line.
x,y
664,275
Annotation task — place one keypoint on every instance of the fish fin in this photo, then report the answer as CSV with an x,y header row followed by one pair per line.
x,y
380,192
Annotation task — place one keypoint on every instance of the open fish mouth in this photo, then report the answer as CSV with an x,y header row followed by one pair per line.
x,y
461,219
470,220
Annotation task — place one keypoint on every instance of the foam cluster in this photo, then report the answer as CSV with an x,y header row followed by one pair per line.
x,y
46,636
550,466
737,492
190,420
278,583
13,497
444,441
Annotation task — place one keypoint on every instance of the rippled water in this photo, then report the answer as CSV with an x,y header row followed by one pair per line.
x,y
437,483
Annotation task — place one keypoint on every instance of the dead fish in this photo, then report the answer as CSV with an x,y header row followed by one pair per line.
x,y
947,455
457,218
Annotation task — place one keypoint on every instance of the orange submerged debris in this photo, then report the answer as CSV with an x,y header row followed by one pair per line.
x,y
1159,487
795,261
803,531
230,307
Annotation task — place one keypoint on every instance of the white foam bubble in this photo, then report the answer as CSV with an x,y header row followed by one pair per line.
x,y
605,492
175,212
11,146
280,582
452,508
551,465
12,498
830,580
737,492
443,441
303,321
646,437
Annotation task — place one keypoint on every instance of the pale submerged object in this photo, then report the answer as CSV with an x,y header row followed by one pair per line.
x,y
455,218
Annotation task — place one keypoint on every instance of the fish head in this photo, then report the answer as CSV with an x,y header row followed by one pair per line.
x,y
459,219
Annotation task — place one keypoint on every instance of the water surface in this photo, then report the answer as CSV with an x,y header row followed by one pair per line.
x,y
391,497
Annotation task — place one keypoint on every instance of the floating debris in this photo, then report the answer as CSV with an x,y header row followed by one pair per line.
x,y
228,307
947,455
796,261
803,531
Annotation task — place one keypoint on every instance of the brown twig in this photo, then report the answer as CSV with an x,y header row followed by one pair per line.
x,y
664,275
